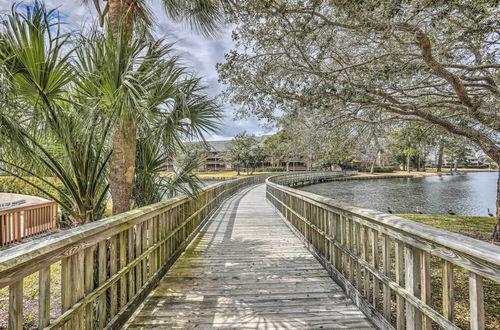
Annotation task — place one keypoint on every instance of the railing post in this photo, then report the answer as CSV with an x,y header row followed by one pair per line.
x,y
448,291
476,298
412,280
16,305
44,298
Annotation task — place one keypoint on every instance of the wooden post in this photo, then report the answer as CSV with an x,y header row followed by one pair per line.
x,y
16,305
78,290
366,257
113,259
386,260
400,303
102,302
476,298
412,280
44,297
448,291
425,277
375,260
66,286
89,285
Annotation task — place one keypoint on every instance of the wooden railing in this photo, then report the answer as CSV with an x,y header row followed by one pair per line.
x,y
26,221
107,267
387,264
308,178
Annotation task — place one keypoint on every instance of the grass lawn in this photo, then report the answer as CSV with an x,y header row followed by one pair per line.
x,y
475,227
472,226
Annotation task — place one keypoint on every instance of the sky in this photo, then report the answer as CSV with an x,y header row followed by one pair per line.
x,y
198,52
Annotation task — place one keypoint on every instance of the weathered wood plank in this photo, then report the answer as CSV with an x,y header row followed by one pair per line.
x,y
44,297
476,299
425,286
448,291
16,305
400,303
412,284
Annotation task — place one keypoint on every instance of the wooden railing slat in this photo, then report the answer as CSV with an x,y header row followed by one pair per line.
x,y
476,302
425,286
386,262
448,291
400,270
16,305
44,297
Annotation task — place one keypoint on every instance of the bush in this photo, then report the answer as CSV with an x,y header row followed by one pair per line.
x,y
276,169
378,169
485,166
10,184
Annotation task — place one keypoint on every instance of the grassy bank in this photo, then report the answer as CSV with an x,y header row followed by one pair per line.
x,y
475,227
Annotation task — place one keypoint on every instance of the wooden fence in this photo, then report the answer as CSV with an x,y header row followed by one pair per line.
x,y
386,264
109,266
26,221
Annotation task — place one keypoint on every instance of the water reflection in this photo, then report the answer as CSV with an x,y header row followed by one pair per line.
x,y
463,193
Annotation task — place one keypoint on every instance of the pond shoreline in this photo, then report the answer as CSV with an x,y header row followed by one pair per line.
x,y
422,174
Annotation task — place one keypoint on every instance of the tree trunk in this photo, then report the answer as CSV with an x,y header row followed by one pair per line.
x,y
372,167
408,162
440,156
122,165
238,169
288,166
496,231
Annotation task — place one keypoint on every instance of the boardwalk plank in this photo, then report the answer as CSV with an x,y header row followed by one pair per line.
x,y
246,269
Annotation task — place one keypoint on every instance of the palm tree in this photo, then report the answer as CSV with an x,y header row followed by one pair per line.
x,y
46,129
205,16
64,102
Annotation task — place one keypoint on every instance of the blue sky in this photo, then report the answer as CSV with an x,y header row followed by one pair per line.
x,y
198,52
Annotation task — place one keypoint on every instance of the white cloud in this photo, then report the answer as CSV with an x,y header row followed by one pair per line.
x,y
198,52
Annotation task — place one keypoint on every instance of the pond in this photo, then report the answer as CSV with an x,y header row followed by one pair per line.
x,y
463,193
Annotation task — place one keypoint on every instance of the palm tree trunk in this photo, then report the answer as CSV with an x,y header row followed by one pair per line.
x,y
122,165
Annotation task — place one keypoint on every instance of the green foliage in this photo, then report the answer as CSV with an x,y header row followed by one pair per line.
x,y
61,101
10,184
59,136
244,151
275,169
378,169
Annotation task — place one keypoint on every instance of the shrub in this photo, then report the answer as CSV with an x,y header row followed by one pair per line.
x,y
276,169
378,169
10,184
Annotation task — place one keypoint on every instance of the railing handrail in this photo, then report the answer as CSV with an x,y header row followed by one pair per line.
x,y
376,257
486,252
26,207
40,249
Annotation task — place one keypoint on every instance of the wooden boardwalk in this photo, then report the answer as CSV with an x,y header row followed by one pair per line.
x,y
246,269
